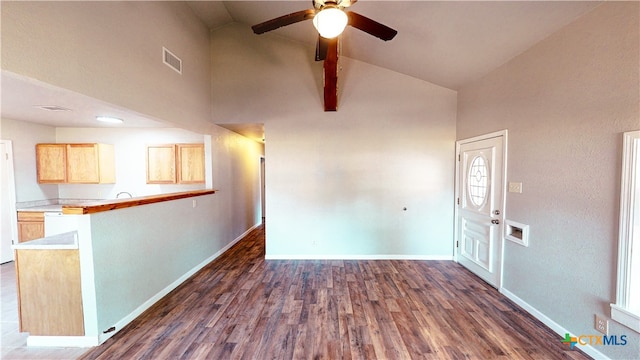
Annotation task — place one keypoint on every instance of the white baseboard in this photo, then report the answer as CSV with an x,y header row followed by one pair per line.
x,y
240,237
358,257
557,328
62,341
147,304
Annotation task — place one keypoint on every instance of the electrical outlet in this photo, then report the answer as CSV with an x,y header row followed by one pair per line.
x,y
195,203
602,325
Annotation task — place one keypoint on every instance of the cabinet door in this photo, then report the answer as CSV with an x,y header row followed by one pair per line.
x,y
190,163
51,162
161,164
30,231
82,163
107,163
50,292
30,226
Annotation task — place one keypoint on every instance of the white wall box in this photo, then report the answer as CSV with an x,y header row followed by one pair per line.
x,y
516,232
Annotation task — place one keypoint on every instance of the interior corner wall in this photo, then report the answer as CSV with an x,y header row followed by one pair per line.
x,y
112,51
236,176
24,136
566,102
338,183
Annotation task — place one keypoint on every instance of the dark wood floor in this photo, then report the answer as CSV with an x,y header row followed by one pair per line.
x,y
244,307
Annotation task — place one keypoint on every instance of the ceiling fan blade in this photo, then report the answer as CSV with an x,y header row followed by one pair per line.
x,y
283,21
371,27
331,76
346,3
321,48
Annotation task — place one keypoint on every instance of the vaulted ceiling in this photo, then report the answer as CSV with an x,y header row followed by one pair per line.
x,y
448,43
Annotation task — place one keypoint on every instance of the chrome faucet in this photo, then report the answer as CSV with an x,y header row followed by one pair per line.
x,y
122,193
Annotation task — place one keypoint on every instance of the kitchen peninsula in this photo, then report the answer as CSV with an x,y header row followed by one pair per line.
x,y
91,207
130,253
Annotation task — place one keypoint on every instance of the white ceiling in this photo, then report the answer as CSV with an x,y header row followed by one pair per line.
x,y
22,99
448,43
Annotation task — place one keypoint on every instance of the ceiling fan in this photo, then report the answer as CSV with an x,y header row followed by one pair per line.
x,y
330,19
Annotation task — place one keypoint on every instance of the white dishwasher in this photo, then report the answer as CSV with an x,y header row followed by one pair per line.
x,y
56,223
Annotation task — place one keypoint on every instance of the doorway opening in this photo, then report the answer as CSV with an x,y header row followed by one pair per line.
x,y
8,216
262,188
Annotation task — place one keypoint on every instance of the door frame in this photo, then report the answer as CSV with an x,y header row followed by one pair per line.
x,y
457,195
263,187
11,196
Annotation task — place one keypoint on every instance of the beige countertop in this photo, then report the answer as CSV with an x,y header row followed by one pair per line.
x,y
68,240
42,208
51,205
93,206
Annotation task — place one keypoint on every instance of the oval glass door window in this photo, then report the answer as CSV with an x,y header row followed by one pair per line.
x,y
478,181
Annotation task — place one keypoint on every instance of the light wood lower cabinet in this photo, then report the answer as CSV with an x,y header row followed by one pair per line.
x,y
30,225
49,292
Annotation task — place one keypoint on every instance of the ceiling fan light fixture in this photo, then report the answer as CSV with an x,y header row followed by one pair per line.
x,y
330,21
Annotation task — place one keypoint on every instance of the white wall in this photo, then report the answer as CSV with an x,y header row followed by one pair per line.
x,y
236,176
337,182
112,51
130,159
566,103
25,136
132,257
139,251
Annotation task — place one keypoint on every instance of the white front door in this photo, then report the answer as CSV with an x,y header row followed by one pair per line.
x,y
480,206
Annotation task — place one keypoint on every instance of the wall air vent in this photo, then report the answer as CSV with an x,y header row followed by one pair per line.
x,y
171,60
52,108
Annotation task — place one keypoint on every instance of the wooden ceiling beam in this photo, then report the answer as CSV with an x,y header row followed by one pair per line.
x,y
331,76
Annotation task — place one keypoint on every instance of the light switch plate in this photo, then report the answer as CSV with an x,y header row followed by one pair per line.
x,y
515,187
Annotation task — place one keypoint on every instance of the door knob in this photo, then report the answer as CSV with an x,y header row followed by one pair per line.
x,y
496,212
495,221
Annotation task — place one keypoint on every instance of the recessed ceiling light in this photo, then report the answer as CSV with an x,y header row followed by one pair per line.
x,y
109,119
52,108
